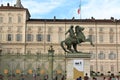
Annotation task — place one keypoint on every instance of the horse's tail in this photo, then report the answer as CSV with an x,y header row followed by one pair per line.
x,y
62,42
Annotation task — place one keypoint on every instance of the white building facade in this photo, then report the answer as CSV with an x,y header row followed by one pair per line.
x,y
21,34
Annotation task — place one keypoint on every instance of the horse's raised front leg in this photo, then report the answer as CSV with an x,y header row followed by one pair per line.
x,y
89,40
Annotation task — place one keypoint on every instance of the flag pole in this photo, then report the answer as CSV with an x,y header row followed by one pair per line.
x,y
80,9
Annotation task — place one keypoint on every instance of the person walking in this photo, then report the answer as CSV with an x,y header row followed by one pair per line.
x,y
86,77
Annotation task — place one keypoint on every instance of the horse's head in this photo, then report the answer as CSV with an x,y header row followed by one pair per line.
x,y
79,28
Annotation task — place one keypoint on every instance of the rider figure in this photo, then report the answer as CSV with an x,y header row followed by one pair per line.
x,y
71,32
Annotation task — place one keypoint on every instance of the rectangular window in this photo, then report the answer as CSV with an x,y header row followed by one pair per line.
x,y
1,19
9,37
1,27
10,20
59,37
18,37
39,37
91,67
49,29
40,29
8,50
19,19
111,38
19,29
29,37
29,28
9,28
18,50
112,68
29,51
101,68
48,38
101,38
60,29
101,29
91,37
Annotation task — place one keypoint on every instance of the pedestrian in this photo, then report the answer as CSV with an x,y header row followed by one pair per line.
x,y
104,78
110,78
86,77
117,77
94,78
79,78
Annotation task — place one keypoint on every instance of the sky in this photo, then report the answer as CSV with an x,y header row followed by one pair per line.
x,y
67,9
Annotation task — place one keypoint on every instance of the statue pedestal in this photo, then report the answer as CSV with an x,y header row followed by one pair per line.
x,y
77,64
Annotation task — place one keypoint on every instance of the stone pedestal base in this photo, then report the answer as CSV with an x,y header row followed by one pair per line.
x,y
79,60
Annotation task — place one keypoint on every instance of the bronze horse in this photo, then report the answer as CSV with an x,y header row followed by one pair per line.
x,y
73,41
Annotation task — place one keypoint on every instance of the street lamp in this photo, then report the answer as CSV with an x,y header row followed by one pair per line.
x,y
0,55
0,49
51,55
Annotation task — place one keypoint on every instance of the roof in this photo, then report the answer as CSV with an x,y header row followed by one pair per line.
x,y
76,20
13,8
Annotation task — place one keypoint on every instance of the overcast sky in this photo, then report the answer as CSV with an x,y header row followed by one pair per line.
x,y
99,9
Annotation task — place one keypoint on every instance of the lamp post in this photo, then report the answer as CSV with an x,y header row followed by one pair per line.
x,y
0,54
51,55
0,49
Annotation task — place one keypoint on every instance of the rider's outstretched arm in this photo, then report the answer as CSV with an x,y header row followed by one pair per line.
x,y
66,32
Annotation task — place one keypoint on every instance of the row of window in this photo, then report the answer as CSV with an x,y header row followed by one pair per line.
x,y
40,37
10,28
28,50
19,29
101,56
29,37
101,68
10,19
102,38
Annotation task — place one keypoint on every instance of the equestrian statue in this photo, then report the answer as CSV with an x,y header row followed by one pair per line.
x,y
74,38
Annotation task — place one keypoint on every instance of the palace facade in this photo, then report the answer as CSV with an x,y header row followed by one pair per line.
x,y
21,34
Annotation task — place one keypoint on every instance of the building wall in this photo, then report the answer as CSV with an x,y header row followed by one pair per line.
x,y
105,54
